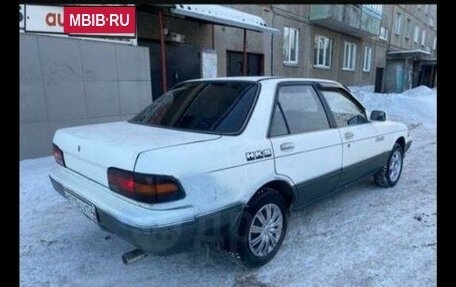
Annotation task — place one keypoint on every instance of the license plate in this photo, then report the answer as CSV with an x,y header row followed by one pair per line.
x,y
86,208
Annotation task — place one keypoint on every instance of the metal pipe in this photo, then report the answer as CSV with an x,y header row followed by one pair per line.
x,y
245,53
132,256
272,41
162,52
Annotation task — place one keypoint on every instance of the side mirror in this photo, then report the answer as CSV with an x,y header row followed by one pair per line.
x,y
378,116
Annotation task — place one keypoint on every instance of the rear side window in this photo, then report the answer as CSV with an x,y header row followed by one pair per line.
x,y
215,107
298,110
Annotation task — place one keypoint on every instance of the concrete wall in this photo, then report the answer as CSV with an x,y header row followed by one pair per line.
x,y
68,82
195,33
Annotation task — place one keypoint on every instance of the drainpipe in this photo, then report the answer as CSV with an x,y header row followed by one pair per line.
x,y
272,41
162,52
213,37
245,53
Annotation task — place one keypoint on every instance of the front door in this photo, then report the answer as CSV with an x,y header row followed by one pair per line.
x,y
305,148
362,147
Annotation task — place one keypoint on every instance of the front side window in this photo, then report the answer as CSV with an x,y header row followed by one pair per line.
x,y
349,56
346,112
323,50
290,45
211,107
298,110
367,58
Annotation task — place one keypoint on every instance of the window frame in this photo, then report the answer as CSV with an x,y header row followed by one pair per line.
x,y
316,87
383,37
288,61
317,54
398,24
408,29
350,97
416,34
423,37
369,60
350,61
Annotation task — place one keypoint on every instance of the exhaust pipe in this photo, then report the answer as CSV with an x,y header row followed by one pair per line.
x,y
132,256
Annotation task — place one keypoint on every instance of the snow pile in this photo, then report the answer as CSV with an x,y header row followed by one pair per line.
x,y
365,89
412,107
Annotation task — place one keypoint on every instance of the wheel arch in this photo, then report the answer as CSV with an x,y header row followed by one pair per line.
x,y
401,142
282,186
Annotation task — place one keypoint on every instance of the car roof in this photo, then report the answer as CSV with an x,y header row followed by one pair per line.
x,y
266,78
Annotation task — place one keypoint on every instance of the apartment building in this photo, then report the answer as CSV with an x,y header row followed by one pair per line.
x,y
412,46
69,80
390,46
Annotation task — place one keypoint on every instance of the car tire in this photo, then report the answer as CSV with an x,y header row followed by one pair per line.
x,y
389,175
262,227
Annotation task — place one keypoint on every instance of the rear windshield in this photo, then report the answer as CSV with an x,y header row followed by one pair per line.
x,y
211,107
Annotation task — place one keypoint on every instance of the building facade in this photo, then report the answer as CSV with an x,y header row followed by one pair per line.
x,y
412,54
390,46
68,81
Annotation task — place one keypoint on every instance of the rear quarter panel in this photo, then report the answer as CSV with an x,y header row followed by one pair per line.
x,y
213,174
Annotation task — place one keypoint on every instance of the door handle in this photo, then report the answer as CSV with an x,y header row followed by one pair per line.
x,y
379,138
287,146
348,135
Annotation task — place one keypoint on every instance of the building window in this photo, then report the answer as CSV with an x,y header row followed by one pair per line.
x,y
408,31
434,45
367,58
349,56
376,8
397,28
383,33
373,10
423,38
323,51
290,45
419,7
431,21
416,34
426,9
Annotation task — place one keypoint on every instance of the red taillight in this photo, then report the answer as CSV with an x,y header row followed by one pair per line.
x,y
58,155
144,187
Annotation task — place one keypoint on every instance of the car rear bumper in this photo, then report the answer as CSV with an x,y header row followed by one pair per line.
x,y
128,220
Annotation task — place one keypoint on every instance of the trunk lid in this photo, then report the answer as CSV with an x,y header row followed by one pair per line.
x,y
90,150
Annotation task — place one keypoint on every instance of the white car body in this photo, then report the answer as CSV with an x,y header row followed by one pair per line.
x,y
214,170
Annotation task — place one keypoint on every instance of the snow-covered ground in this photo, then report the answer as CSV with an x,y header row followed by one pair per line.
x,y
363,236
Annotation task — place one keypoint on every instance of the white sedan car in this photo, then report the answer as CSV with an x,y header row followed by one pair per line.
x,y
225,160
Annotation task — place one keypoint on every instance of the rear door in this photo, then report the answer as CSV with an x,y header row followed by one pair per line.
x,y
362,144
306,148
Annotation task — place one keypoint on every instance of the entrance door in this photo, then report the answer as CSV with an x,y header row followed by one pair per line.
x,y
378,79
235,64
183,62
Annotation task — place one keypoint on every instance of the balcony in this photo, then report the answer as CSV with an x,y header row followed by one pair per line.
x,y
356,20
